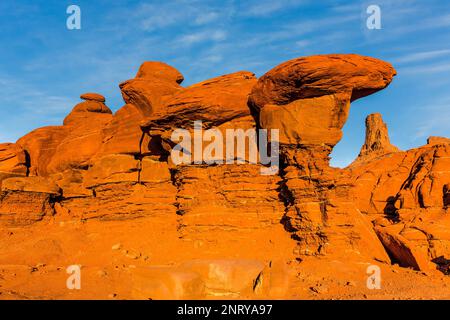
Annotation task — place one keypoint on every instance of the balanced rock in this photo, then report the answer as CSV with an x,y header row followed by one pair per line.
x,y
155,82
57,148
84,109
92,97
303,88
84,126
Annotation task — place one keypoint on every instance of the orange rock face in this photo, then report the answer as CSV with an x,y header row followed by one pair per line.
x,y
377,138
123,134
93,97
154,82
13,161
308,99
405,193
321,75
310,121
41,144
213,101
84,129
101,190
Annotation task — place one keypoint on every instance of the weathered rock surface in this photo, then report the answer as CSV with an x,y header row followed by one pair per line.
x,y
31,184
321,75
410,190
308,99
57,148
227,198
403,251
41,144
220,103
154,83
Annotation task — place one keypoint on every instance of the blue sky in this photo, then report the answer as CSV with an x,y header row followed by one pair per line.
x,y
44,67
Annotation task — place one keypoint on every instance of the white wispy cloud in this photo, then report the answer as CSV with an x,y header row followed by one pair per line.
x,y
420,56
435,22
314,30
346,8
156,16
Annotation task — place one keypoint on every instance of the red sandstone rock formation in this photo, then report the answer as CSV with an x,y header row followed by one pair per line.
x,y
321,75
308,99
405,194
377,138
388,206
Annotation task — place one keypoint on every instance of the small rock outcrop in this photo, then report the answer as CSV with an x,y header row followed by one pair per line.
x,y
13,161
153,84
308,100
377,142
102,170
405,194
437,140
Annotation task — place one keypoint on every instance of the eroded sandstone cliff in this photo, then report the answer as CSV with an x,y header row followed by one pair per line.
x,y
389,206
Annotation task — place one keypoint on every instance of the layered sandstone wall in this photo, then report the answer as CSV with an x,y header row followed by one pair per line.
x,y
389,205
